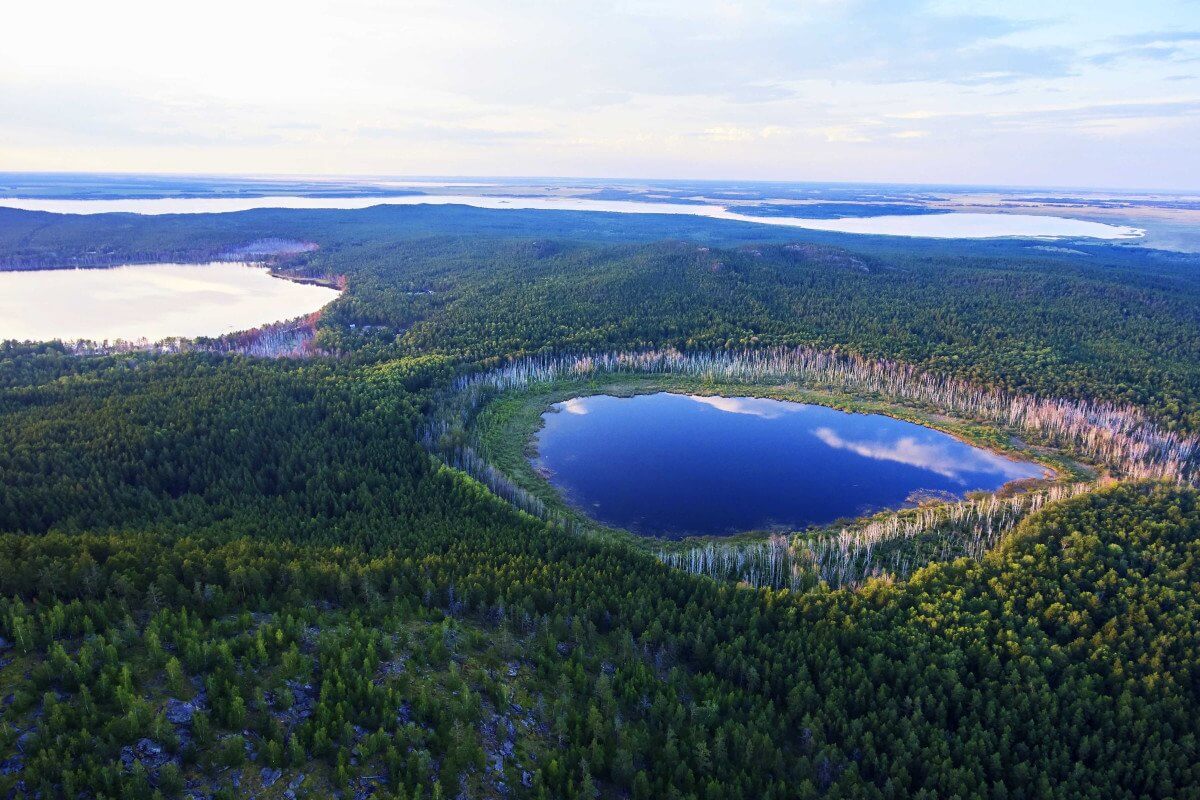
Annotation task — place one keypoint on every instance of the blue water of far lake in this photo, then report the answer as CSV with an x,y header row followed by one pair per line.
x,y
676,465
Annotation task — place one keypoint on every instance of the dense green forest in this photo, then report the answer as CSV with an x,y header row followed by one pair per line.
x,y
231,576
1099,321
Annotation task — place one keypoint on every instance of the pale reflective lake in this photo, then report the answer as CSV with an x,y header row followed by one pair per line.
x,y
151,301
937,226
673,465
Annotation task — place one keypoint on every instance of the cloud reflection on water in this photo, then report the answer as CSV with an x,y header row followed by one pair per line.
x,y
934,457
576,405
753,406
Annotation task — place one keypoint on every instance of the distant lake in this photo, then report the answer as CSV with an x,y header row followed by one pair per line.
x,y
937,226
675,465
152,301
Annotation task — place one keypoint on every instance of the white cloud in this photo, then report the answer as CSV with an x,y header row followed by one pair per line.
x,y
736,134
844,134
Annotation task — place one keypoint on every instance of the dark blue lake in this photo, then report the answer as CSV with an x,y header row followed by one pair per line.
x,y
676,465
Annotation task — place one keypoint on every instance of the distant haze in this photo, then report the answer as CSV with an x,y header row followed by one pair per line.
x,y
1103,93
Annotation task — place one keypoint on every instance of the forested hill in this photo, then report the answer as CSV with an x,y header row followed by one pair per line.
x,y
1099,321
227,576
1059,328
45,240
57,240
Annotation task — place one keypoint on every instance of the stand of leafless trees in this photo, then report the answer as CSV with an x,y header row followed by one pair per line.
x,y
291,339
893,544
1120,437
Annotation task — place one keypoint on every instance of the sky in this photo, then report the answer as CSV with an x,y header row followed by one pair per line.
x,y
1104,93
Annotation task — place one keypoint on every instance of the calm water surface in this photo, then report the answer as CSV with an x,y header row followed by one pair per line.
x,y
936,226
674,465
151,301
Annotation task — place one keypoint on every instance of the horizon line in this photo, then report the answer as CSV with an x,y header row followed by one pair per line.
x,y
317,176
